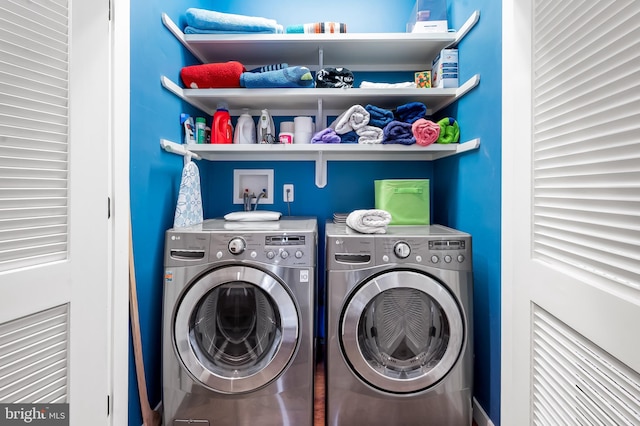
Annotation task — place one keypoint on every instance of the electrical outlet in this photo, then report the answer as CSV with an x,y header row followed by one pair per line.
x,y
287,192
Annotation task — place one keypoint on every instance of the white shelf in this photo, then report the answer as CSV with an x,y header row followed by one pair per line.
x,y
321,153
356,51
313,101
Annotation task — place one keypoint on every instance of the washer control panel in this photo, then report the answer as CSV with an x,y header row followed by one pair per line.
x,y
282,249
441,252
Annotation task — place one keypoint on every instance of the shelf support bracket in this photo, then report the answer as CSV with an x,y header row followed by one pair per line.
x,y
179,92
179,149
171,26
321,170
320,119
320,58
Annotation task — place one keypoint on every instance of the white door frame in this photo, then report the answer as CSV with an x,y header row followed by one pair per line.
x,y
120,204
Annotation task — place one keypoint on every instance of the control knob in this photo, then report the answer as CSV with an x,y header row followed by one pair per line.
x,y
237,245
402,250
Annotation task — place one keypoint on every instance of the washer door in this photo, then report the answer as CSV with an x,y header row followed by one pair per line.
x,y
236,329
402,331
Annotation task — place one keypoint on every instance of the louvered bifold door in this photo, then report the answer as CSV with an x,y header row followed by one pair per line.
x,y
586,139
33,132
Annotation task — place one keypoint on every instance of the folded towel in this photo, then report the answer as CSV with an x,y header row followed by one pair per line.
x,y
217,75
204,21
449,131
425,131
398,132
327,135
403,85
352,119
349,137
286,77
272,67
189,204
317,28
194,30
410,112
370,135
373,221
334,77
379,117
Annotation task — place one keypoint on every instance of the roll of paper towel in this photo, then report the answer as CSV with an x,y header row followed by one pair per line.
x,y
304,127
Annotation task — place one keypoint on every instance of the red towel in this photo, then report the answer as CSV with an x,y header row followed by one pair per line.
x,y
219,75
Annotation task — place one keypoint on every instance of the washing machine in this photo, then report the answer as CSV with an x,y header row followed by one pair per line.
x,y
238,323
399,347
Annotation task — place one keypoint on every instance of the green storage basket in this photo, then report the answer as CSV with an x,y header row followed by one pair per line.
x,y
406,199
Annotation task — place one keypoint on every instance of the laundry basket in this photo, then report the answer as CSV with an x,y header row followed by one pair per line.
x,y
407,200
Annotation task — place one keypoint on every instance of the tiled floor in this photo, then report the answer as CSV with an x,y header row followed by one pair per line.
x,y
318,417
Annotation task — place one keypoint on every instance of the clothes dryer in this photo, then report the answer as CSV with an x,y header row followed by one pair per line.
x,y
399,327
238,323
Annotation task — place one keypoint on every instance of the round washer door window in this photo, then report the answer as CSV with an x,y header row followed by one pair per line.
x,y
236,329
402,332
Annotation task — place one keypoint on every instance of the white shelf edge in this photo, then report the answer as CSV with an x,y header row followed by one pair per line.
x,y
466,27
322,153
177,32
179,92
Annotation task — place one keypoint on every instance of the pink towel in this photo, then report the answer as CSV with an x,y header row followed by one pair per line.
x,y
425,131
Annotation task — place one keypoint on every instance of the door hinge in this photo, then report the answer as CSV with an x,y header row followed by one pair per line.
x,y
108,405
110,7
108,207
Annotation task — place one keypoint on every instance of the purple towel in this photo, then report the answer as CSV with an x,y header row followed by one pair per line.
x,y
410,112
327,135
398,132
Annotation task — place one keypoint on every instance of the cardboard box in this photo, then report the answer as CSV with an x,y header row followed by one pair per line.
x,y
423,79
444,70
428,16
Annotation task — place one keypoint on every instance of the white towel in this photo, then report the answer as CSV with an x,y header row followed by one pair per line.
x,y
370,135
354,118
373,221
189,205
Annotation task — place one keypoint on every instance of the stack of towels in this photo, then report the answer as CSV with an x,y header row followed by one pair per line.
x,y
372,221
407,125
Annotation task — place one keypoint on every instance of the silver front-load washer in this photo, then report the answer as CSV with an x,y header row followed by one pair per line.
x,y
399,327
238,323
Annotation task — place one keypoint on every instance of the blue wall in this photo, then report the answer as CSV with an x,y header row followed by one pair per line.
x,y
466,189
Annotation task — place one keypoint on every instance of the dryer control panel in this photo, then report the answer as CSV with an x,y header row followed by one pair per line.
x,y
285,249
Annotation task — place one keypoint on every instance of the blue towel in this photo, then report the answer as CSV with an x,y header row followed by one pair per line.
x,y
272,67
379,117
286,77
410,112
208,21
349,137
398,132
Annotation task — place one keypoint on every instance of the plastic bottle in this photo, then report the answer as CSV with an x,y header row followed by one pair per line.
x,y
201,123
222,131
244,131
265,129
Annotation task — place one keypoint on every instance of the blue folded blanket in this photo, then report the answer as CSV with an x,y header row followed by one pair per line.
x,y
286,77
410,112
398,132
379,117
202,21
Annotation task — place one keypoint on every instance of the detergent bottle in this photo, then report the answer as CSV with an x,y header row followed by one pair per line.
x,y
222,131
265,129
244,131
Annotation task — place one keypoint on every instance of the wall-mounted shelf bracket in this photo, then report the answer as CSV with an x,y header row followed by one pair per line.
x,y
179,149
466,27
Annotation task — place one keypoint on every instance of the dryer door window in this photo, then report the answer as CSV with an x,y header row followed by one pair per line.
x,y
402,332
236,329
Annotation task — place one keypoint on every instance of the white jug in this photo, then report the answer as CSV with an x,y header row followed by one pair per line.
x,y
244,128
